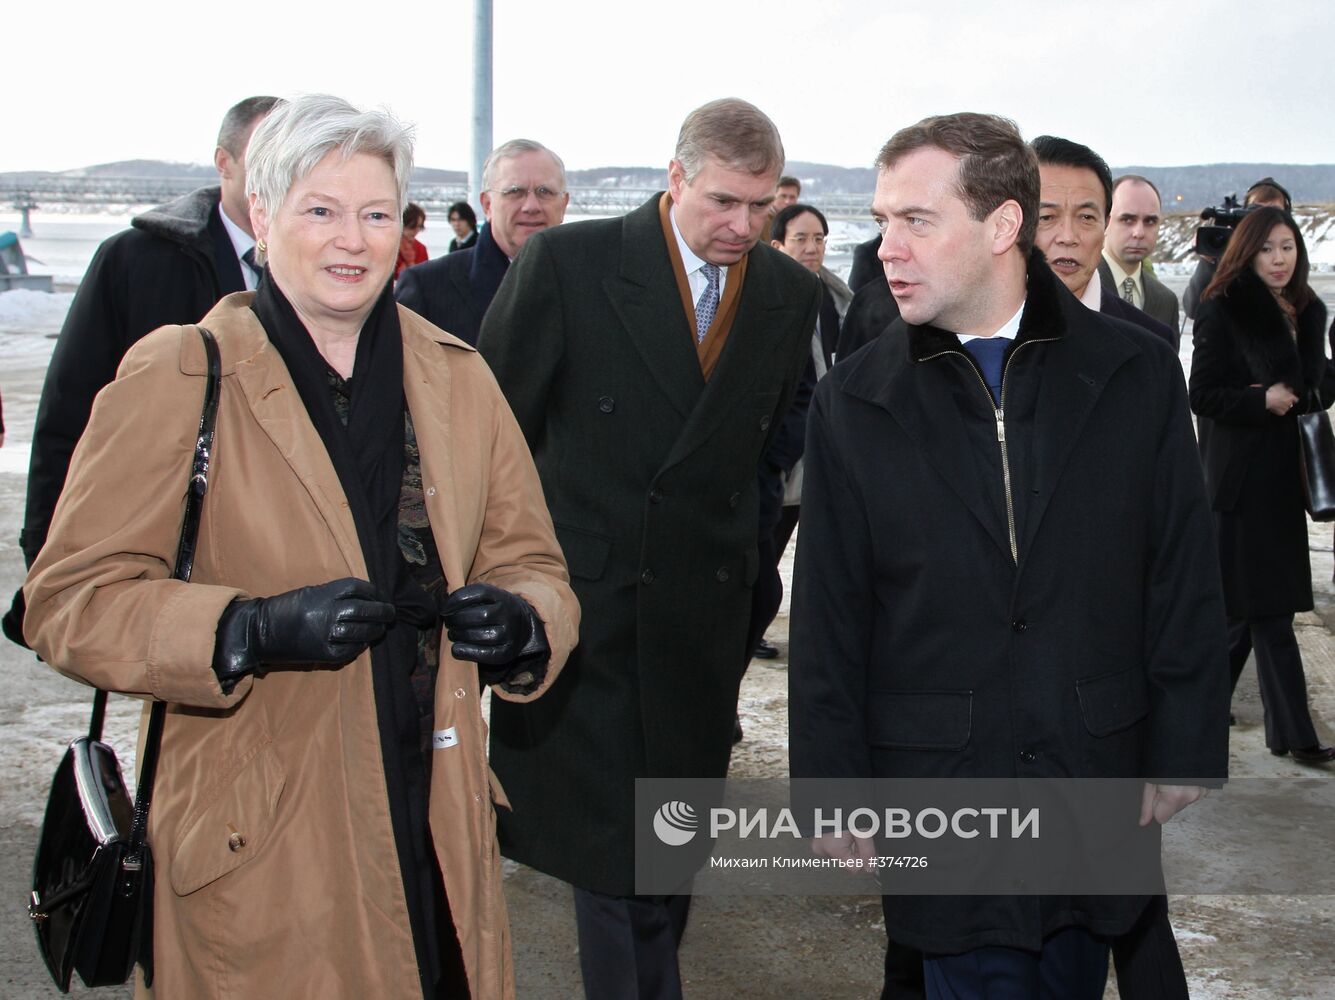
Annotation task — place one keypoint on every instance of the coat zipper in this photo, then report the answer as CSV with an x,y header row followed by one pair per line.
x,y
999,412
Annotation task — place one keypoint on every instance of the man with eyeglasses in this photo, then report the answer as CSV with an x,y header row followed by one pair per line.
x,y
648,359
524,193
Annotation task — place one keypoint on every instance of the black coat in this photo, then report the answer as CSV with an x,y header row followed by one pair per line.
x,y
1243,345
866,266
171,266
454,291
650,475
872,310
922,649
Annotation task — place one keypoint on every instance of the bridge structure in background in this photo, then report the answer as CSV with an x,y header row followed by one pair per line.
x,y
135,192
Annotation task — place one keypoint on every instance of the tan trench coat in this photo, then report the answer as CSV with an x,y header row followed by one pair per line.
x,y
312,904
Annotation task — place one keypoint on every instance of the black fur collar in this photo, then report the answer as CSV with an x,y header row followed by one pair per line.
x,y
1261,332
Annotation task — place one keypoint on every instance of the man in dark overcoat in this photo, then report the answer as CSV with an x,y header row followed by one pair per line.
x,y
648,360
171,266
1006,567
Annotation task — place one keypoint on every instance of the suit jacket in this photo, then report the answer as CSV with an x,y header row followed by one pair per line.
x,y
454,291
1114,305
650,474
926,646
866,266
1160,301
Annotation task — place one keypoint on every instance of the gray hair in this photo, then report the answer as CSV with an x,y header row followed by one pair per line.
x,y
513,148
298,134
733,131
235,128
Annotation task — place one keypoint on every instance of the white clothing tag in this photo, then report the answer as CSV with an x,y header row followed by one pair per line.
x,y
443,739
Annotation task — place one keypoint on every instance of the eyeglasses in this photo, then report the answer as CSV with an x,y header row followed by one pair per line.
x,y
801,241
516,193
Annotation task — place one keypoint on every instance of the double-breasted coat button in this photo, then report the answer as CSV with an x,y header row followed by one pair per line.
x,y
723,576
655,495
607,404
647,576
734,500
764,423
235,842
1019,625
1027,756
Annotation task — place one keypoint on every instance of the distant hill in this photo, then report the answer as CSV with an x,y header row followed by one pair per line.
x,y
1185,189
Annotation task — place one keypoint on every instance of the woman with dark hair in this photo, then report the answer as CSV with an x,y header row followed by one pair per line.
x,y
463,220
1259,361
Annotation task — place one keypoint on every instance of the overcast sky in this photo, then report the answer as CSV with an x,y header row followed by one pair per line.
x,y
1158,82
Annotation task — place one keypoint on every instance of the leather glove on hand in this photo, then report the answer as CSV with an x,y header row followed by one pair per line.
x,y
328,624
500,632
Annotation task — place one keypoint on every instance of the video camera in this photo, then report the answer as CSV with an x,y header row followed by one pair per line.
x,y
1211,239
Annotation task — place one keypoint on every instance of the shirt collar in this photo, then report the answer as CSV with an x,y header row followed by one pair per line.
x,y
1009,330
689,260
241,240
1093,291
1120,275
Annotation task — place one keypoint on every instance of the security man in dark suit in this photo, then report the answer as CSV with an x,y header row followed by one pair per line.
x,y
524,193
648,360
171,266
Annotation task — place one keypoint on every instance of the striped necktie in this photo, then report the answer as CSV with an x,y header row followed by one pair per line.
x,y
707,307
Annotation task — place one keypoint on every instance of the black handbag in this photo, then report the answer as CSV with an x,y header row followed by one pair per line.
x,y
1317,461
92,882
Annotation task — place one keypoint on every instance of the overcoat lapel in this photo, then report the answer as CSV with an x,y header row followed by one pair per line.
x,y
746,356
1066,397
648,304
278,409
925,408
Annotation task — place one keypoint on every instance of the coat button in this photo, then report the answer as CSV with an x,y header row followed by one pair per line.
x,y
235,842
431,491
1019,625
1027,756
723,576
460,692
734,500
764,423
647,577
607,404
655,495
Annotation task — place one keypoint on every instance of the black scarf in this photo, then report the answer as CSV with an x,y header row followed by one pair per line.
x,y
367,454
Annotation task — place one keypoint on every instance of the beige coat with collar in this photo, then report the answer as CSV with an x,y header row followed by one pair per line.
x,y
312,905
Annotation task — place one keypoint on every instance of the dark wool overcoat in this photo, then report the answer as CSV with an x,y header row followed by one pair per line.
x,y
650,475
926,646
1242,346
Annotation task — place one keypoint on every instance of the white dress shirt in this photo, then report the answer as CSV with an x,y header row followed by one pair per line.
x,y
241,242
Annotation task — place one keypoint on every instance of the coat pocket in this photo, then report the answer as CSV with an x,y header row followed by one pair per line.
x,y
232,828
1112,702
586,553
920,720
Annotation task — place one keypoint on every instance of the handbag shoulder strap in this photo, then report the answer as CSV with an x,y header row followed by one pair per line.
x,y
185,561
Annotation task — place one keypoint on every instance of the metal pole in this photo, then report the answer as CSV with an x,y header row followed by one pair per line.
x,y
481,99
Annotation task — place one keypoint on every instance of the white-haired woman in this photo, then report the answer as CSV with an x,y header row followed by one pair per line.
x,y
322,820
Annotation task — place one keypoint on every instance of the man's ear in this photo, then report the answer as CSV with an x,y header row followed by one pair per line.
x,y
676,179
1006,220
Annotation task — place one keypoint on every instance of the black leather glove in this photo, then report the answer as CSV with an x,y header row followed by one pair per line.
x,y
330,624
500,632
